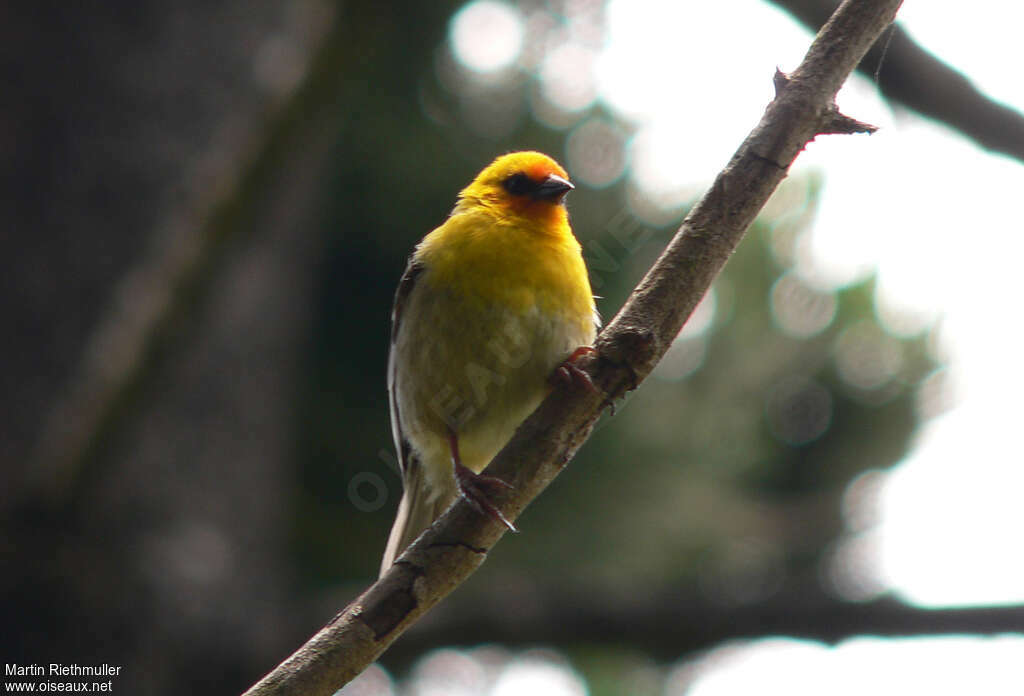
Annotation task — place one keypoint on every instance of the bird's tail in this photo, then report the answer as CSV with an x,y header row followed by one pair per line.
x,y
416,511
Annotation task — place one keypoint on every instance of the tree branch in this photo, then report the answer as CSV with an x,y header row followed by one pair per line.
x,y
910,75
672,623
628,349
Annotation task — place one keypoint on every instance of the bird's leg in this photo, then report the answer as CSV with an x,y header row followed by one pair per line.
x,y
476,488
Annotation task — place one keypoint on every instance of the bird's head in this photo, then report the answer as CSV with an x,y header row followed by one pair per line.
x,y
524,184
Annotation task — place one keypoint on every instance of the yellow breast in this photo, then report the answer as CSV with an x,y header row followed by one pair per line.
x,y
495,310
522,267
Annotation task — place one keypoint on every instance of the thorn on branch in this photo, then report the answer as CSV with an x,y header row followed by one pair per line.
x,y
610,405
835,122
780,81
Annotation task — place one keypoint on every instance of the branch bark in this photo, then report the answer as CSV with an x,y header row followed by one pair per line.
x,y
628,349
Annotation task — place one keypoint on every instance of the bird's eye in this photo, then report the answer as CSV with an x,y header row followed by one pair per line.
x,y
519,184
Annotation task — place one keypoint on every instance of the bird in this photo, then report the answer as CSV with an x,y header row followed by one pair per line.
x,y
493,308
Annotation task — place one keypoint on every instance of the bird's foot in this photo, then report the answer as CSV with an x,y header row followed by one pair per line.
x,y
571,373
478,489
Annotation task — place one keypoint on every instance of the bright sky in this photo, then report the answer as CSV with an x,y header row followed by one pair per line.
x,y
937,217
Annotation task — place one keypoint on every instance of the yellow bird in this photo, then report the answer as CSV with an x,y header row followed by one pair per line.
x,y
492,303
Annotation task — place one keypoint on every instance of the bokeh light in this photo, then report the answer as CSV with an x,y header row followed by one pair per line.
x,y
798,410
850,569
866,357
373,681
539,672
566,77
487,36
684,357
491,671
448,672
860,503
901,318
688,351
703,316
596,151
800,310
935,395
940,666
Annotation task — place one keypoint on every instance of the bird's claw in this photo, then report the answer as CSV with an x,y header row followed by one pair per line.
x,y
477,489
571,373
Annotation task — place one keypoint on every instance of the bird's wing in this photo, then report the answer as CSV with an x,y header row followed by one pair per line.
x,y
405,287
413,513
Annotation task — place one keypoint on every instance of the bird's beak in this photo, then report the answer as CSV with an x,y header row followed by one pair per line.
x,y
553,189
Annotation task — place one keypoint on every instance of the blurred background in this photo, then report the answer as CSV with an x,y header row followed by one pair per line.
x,y
209,206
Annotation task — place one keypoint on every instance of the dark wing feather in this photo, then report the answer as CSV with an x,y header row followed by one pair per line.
x,y
405,288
